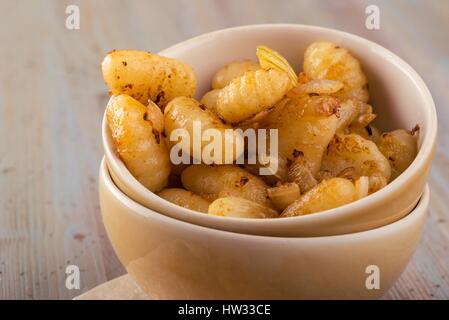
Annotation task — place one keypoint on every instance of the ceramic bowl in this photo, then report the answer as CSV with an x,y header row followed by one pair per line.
x,y
400,97
172,259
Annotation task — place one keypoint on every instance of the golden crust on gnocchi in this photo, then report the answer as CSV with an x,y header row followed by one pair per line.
x,y
213,182
329,151
185,199
326,60
138,140
147,76
229,72
252,93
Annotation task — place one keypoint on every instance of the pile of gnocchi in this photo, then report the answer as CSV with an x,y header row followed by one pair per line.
x,y
329,151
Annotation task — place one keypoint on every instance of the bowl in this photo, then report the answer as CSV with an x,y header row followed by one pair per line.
x,y
400,97
173,259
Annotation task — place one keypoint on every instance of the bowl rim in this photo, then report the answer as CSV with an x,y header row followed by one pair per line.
x,y
424,153
136,208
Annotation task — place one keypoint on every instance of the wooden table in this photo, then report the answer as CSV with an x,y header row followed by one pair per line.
x,y
52,99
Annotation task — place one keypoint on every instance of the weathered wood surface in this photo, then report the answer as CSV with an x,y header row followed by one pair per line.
x,y
52,98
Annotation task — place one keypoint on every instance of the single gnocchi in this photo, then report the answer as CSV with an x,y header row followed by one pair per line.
x,y
136,132
252,93
400,148
370,132
210,99
189,116
326,60
232,70
359,155
213,182
327,195
240,208
147,76
185,199
283,195
318,86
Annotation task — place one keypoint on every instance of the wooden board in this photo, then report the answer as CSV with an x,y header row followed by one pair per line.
x,y
52,98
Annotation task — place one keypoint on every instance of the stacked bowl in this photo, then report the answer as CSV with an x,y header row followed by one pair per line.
x,y
355,251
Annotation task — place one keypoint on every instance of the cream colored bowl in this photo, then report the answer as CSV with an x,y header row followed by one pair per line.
x,y
400,97
172,259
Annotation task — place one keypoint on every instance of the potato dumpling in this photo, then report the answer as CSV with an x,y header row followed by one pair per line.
x,y
318,86
328,194
182,112
326,60
146,76
231,71
359,155
284,194
240,208
305,125
370,132
155,116
361,187
135,130
252,93
400,148
210,99
213,182
185,199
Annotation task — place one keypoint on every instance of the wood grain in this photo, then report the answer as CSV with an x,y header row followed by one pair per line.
x,y
52,97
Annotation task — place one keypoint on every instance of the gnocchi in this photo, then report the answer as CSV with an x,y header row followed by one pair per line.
x,y
326,195
283,195
183,112
399,147
136,132
210,100
353,151
185,199
326,60
213,182
252,93
231,71
147,76
240,208
328,153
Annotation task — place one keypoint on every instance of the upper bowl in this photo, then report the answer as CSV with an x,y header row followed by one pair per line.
x,y
400,98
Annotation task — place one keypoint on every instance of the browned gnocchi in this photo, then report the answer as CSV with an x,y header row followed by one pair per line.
x,y
213,182
185,199
147,76
136,132
328,150
184,113
231,71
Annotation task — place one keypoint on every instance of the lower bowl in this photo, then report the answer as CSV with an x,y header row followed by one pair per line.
x,y
172,259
